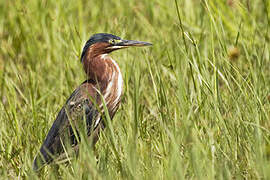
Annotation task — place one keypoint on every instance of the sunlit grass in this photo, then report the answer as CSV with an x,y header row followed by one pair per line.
x,y
196,105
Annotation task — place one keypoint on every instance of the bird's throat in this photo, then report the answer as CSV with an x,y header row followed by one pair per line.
x,y
103,70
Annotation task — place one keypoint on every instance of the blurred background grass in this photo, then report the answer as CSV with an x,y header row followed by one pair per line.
x,y
196,105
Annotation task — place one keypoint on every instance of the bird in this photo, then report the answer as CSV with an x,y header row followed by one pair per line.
x,y
85,106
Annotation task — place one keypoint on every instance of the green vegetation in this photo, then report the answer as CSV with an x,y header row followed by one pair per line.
x,y
196,105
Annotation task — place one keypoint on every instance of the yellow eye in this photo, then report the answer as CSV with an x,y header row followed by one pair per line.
x,y
114,41
111,41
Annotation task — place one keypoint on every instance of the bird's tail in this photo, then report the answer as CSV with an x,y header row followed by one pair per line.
x,y
42,158
39,162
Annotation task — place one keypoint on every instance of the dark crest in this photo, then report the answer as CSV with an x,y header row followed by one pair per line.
x,y
100,37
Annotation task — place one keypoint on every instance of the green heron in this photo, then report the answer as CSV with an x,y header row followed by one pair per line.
x,y
85,105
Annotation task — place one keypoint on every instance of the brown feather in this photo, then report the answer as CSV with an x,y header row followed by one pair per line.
x,y
104,79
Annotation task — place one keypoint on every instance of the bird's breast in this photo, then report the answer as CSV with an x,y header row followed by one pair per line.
x,y
113,91
109,82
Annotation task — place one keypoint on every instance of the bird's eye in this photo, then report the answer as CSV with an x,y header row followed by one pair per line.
x,y
112,41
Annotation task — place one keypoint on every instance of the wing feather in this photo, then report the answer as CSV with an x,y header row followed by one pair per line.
x,y
77,108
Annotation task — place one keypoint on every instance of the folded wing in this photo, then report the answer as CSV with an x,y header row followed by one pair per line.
x,y
65,129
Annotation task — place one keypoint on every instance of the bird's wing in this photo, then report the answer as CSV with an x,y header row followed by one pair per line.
x,y
79,111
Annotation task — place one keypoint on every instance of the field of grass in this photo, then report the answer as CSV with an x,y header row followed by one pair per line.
x,y
196,105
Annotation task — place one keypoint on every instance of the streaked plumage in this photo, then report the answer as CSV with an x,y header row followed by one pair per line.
x,y
85,103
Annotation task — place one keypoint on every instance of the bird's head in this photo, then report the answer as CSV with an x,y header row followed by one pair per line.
x,y
103,43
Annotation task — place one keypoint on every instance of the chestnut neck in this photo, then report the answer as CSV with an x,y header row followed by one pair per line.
x,y
98,67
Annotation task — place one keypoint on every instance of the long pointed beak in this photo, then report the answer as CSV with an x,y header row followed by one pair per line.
x,y
128,43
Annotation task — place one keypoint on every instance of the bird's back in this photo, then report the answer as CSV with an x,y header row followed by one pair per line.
x,y
80,112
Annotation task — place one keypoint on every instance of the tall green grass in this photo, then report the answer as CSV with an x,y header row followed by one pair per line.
x,y
196,105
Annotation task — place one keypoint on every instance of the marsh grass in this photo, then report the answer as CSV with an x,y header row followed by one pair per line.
x,y
196,105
